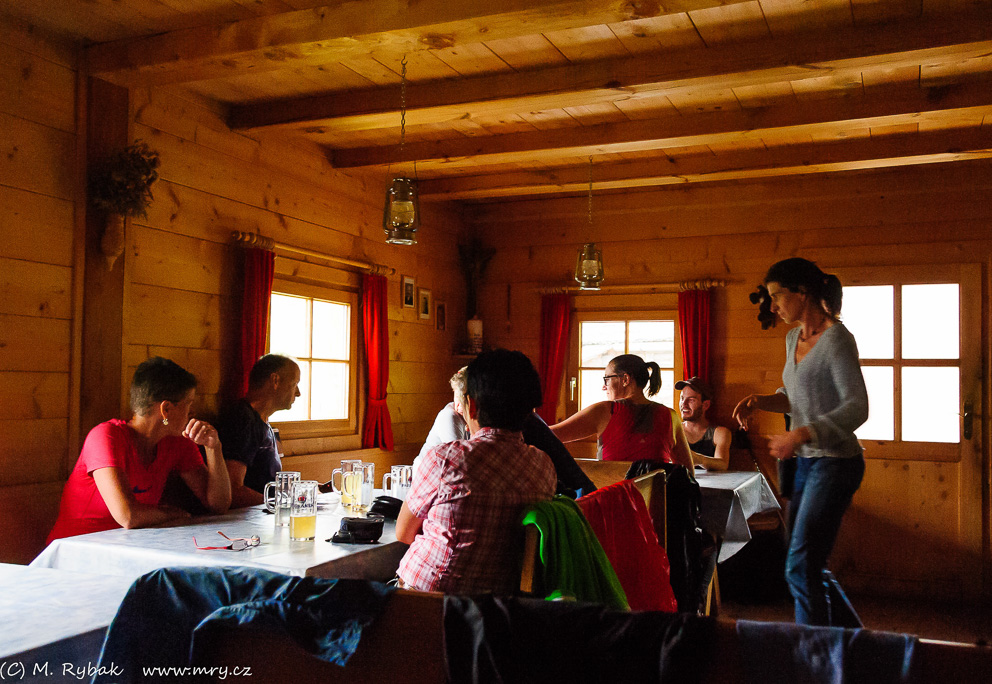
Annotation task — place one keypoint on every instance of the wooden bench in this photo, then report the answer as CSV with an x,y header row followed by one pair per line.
x,y
405,645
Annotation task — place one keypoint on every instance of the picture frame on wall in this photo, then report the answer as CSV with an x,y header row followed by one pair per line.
x,y
424,302
408,292
440,315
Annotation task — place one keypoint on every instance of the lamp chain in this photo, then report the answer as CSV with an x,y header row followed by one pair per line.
x,y
403,102
590,192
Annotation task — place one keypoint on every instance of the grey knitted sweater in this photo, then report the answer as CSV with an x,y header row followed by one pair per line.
x,y
826,392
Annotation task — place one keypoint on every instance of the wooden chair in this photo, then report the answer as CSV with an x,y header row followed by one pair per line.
x,y
651,487
603,473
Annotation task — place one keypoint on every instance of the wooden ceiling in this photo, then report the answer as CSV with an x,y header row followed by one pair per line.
x,y
510,98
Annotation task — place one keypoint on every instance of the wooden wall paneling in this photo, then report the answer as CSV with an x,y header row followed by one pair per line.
x,y
175,318
37,228
30,343
29,511
104,290
33,289
38,445
169,260
28,395
39,89
28,149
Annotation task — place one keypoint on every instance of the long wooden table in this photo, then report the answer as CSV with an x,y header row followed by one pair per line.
x,y
132,553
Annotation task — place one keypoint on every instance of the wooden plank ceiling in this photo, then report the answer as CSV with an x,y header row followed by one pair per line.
x,y
513,98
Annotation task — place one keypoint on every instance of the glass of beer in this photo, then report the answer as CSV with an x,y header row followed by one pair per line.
x,y
358,484
303,513
347,465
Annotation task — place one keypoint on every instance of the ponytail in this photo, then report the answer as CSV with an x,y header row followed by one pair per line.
x,y
654,379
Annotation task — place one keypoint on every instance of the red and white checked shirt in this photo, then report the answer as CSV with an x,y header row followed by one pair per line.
x,y
471,495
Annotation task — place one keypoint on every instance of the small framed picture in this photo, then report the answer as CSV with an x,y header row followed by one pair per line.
x,y
409,292
440,315
424,302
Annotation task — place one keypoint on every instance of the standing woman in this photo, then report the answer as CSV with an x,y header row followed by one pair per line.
x,y
123,466
824,393
629,426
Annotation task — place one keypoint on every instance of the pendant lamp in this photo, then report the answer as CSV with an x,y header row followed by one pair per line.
x,y
401,214
589,272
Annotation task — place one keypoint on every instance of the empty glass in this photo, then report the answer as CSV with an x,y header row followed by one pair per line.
x,y
400,478
281,496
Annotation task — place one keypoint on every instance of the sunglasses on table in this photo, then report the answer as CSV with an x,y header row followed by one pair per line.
x,y
237,543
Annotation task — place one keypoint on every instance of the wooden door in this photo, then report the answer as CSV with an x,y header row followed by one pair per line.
x,y
916,525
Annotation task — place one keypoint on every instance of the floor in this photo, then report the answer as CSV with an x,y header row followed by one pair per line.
x,y
946,622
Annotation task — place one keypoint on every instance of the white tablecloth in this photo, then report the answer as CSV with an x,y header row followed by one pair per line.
x,y
54,619
728,500
132,553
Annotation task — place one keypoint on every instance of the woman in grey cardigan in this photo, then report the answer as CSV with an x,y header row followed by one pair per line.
x,y
824,393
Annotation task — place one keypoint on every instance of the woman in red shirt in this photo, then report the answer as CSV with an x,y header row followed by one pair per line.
x,y
630,427
123,466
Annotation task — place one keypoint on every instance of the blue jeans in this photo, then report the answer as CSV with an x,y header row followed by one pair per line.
x,y
821,494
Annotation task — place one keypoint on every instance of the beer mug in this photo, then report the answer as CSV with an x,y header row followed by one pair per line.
x,y
347,465
359,484
303,512
400,478
281,496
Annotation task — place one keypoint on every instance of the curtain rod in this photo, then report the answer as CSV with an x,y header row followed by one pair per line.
x,y
256,240
646,288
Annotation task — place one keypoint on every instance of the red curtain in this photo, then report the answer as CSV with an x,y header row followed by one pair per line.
x,y
694,330
259,266
378,431
555,311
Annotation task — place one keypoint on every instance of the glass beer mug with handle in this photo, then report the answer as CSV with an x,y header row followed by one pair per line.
x,y
303,513
359,484
399,478
347,465
279,500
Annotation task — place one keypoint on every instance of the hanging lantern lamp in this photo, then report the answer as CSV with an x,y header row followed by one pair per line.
x,y
401,214
589,273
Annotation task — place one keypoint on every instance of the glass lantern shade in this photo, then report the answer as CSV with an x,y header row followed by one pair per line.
x,y
589,267
401,215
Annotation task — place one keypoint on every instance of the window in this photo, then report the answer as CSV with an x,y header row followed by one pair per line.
x,y
601,340
909,340
317,327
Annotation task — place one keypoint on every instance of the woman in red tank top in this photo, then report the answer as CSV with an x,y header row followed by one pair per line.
x,y
630,427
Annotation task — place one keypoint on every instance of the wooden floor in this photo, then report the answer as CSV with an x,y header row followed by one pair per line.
x,y
949,622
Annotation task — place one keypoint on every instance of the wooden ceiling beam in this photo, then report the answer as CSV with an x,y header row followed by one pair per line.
x,y
887,151
350,29
884,107
892,45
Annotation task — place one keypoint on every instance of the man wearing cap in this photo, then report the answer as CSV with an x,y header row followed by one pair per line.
x,y
710,444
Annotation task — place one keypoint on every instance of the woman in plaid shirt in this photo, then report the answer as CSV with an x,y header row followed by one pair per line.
x,y
462,515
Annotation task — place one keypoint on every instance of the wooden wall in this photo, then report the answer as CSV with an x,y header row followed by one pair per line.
x,y
180,271
37,226
915,525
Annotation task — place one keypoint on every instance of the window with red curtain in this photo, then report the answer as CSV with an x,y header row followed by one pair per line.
x,y
259,267
378,430
694,330
555,312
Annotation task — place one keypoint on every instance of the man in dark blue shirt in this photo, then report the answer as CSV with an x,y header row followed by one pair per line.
x,y
250,447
